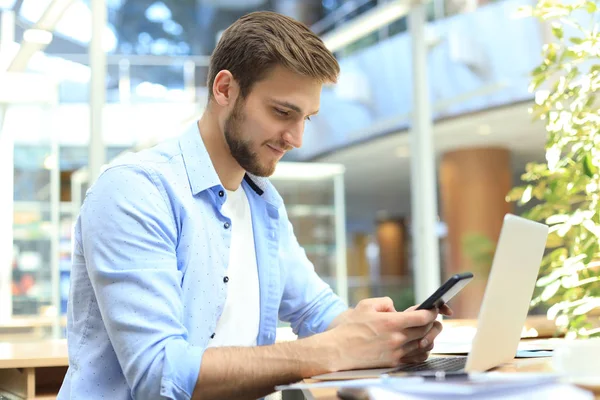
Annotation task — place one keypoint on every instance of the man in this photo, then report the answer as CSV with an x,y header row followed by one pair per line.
x,y
185,258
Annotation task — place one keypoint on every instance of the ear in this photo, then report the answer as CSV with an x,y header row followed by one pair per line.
x,y
225,88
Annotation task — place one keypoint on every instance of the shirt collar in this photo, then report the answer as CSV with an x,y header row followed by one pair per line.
x,y
202,174
200,170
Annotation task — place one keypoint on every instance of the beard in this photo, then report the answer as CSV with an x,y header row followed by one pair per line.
x,y
241,149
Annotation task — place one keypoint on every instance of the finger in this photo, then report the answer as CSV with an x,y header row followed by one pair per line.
x,y
384,304
410,319
431,335
417,333
406,349
419,351
379,304
417,358
446,310
412,308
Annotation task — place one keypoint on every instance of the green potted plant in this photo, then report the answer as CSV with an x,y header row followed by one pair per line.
x,y
564,192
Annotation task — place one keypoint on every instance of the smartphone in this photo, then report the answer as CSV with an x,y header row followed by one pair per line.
x,y
447,291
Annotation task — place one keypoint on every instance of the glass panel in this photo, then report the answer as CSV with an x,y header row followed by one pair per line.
x,y
7,4
31,284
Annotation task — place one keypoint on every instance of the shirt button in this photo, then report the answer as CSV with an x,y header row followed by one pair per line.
x,y
226,279
221,193
226,225
212,336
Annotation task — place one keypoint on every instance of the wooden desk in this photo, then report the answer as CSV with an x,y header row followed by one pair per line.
x,y
28,328
516,366
536,326
33,370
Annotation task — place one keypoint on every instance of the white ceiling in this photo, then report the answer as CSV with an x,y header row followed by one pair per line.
x,y
378,178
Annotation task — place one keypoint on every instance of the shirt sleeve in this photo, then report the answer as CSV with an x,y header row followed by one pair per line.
x,y
308,303
129,238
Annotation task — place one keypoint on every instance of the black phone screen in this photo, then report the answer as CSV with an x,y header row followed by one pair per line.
x,y
447,291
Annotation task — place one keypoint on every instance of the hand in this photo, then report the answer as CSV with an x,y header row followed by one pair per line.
x,y
379,304
444,310
426,344
372,336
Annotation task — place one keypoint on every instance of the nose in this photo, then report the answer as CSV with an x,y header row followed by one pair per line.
x,y
293,136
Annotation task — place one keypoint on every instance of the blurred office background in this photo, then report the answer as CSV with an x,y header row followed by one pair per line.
x,y
408,161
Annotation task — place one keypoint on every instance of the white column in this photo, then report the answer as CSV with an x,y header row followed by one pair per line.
x,y
6,219
426,261
124,81
341,269
189,80
55,223
7,36
97,150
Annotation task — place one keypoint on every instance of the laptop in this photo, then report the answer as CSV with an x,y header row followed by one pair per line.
x,y
504,307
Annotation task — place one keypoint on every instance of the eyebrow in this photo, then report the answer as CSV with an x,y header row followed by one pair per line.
x,y
291,106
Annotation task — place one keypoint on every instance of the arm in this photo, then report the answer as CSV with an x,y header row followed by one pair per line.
x,y
129,238
370,340
253,372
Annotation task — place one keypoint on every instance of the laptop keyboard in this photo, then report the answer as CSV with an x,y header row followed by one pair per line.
x,y
447,364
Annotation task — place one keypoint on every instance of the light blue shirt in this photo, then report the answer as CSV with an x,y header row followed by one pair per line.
x,y
148,279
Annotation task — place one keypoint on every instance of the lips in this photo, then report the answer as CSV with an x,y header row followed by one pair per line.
x,y
276,149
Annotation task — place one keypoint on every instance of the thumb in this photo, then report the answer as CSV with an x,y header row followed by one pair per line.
x,y
378,304
384,304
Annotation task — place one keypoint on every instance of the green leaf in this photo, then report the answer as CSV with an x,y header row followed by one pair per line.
x,y
590,6
557,219
576,40
587,306
551,54
568,55
527,194
548,279
557,30
550,290
590,102
515,194
588,167
567,184
554,241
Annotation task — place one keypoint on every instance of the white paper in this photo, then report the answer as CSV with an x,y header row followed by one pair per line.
x,y
354,374
556,391
463,347
478,383
493,385
327,384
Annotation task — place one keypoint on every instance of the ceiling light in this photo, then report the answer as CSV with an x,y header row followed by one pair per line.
x,y
38,36
484,130
50,161
402,152
366,23
7,4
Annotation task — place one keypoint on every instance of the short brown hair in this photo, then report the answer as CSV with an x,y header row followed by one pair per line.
x,y
259,41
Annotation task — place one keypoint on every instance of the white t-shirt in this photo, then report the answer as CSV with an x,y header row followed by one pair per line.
x,y
239,322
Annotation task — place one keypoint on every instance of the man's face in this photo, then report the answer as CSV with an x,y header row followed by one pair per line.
x,y
270,121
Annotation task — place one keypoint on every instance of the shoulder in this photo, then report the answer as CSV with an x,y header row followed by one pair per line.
x,y
138,176
155,160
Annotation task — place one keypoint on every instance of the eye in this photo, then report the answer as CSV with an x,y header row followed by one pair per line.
x,y
281,112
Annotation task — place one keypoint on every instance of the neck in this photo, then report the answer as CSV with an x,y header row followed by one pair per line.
x,y
229,171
